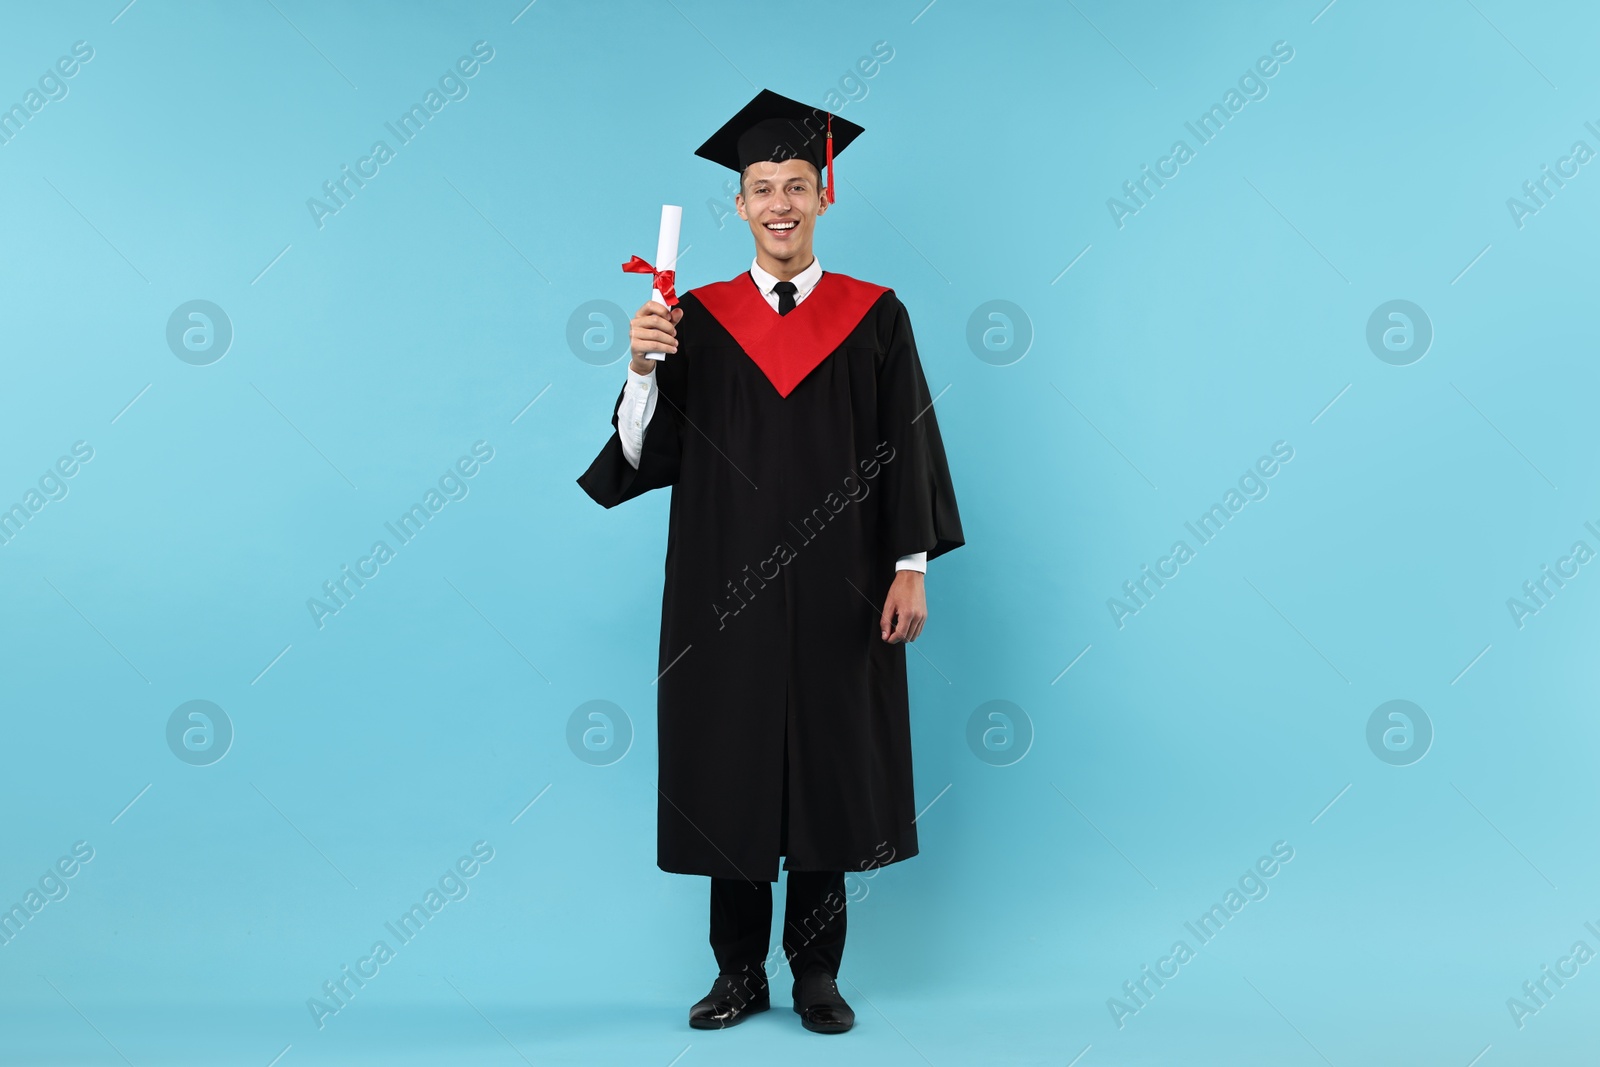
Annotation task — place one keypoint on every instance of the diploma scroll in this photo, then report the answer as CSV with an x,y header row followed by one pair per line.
x,y
666,257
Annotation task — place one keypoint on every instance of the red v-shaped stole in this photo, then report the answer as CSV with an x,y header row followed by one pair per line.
x,y
789,347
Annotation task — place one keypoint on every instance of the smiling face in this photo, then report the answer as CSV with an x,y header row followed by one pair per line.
x,y
781,202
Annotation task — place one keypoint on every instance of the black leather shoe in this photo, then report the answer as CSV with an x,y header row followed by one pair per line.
x,y
820,1007
732,999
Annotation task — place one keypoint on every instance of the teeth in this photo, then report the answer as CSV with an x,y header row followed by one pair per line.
x,y
780,225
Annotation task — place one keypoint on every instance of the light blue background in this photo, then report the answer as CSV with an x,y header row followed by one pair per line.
x,y
1228,314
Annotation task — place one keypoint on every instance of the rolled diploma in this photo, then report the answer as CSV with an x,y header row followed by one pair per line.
x,y
666,255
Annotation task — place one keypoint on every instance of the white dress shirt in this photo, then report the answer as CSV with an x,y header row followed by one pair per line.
x,y
639,395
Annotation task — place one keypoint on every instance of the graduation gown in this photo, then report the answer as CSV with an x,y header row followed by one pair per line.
x,y
804,457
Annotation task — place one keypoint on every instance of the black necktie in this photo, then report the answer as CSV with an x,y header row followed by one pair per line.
x,y
785,291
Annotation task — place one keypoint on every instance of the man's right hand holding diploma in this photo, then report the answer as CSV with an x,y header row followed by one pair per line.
x,y
654,329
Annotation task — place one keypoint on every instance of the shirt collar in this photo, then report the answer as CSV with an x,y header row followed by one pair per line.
x,y
803,282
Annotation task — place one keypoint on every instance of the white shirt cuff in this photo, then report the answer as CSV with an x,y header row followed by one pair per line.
x,y
917,561
633,413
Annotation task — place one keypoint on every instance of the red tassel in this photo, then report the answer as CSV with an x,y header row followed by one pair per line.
x,y
830,159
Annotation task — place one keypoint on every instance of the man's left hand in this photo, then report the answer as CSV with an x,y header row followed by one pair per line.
x,y
905,609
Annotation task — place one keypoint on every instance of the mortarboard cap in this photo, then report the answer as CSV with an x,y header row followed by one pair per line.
x,y
772,128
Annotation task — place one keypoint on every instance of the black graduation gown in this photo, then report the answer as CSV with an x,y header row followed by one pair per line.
x,y
788,513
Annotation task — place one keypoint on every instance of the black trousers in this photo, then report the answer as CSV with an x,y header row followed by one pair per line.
x,y
813,918
813,924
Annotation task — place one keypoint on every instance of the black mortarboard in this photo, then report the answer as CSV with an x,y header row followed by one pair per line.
x,y
772,128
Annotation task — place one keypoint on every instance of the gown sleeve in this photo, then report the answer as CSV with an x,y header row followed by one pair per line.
x,y
611,479
919,505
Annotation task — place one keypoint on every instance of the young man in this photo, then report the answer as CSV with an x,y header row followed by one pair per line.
x,y
809,488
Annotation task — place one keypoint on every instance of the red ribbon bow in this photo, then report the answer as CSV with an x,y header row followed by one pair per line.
x,y
661,279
